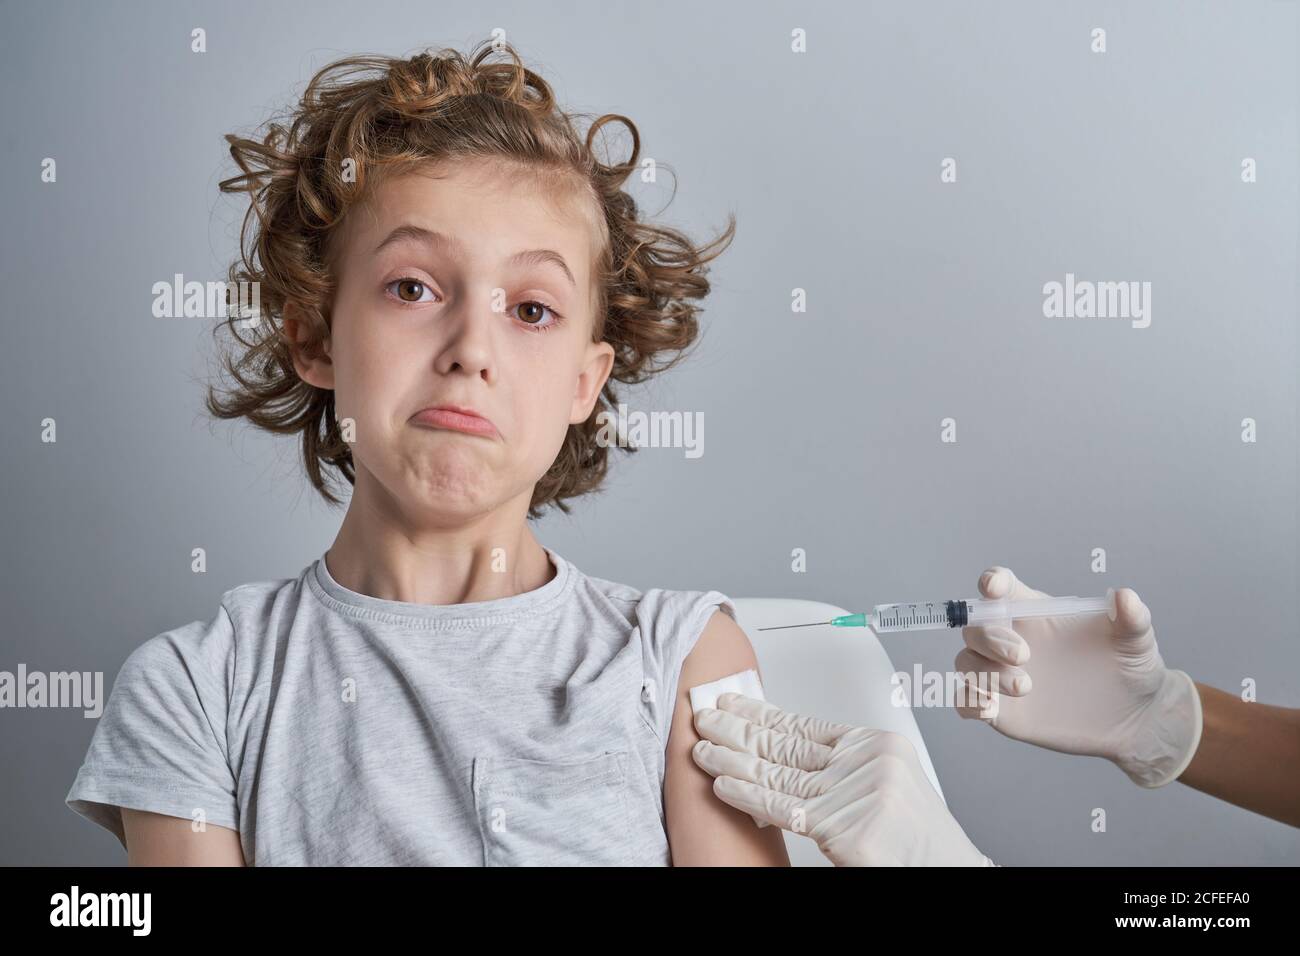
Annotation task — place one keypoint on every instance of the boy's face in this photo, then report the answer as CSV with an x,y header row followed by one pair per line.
x,y
464,320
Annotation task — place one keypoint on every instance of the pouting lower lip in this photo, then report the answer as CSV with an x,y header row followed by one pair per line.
x,y
455,421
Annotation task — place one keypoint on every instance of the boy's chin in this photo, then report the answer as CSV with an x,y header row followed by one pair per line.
x,y
453,487
453,500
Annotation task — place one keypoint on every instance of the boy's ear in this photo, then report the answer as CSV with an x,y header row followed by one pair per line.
x,y
315,370
592,378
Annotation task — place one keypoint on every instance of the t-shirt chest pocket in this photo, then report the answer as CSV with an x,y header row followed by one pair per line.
x,y
571,812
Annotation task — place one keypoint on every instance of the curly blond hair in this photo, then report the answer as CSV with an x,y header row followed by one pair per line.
x,y
388,113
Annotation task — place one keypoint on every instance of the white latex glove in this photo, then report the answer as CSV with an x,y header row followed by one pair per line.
x,y
860,794
1090,684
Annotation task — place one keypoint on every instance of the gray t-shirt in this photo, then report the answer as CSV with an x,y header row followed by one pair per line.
x,y
333,728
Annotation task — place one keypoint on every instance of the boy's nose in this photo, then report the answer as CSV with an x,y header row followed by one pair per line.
x,y
467,324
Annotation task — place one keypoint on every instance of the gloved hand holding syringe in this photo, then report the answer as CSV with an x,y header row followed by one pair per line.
x,y
1103,688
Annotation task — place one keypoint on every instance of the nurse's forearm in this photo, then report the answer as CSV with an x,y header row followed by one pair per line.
x,y
1249,755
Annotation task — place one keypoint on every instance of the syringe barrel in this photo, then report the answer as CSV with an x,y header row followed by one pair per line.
x,y
915,616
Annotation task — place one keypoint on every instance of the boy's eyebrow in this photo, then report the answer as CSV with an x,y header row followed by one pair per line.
x,y
454,247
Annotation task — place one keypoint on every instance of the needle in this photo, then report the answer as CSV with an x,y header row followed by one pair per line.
x,y
844,620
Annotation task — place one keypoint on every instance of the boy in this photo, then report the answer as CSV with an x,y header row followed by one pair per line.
x,y
453,282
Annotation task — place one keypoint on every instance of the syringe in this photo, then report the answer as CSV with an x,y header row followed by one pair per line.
x,y
933,615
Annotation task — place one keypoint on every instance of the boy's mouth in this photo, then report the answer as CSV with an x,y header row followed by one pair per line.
x,y
456,418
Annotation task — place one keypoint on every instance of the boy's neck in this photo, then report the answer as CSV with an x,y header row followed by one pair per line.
x,y
494,557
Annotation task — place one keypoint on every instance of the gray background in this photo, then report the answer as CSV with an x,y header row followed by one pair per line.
x,y
822,429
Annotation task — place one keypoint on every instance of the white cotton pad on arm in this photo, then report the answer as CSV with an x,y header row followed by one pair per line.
x,y
706,695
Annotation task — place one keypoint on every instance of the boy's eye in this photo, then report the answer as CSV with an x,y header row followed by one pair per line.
x,y
410,290
532,313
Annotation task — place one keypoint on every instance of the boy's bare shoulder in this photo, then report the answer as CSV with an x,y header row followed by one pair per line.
x,y
723,648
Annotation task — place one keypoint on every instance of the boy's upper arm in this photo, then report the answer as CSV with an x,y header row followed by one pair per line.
x,y
154,839
702,830
160,744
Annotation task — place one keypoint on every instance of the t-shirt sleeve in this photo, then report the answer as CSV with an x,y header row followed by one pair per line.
x,y
671,623
160,744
